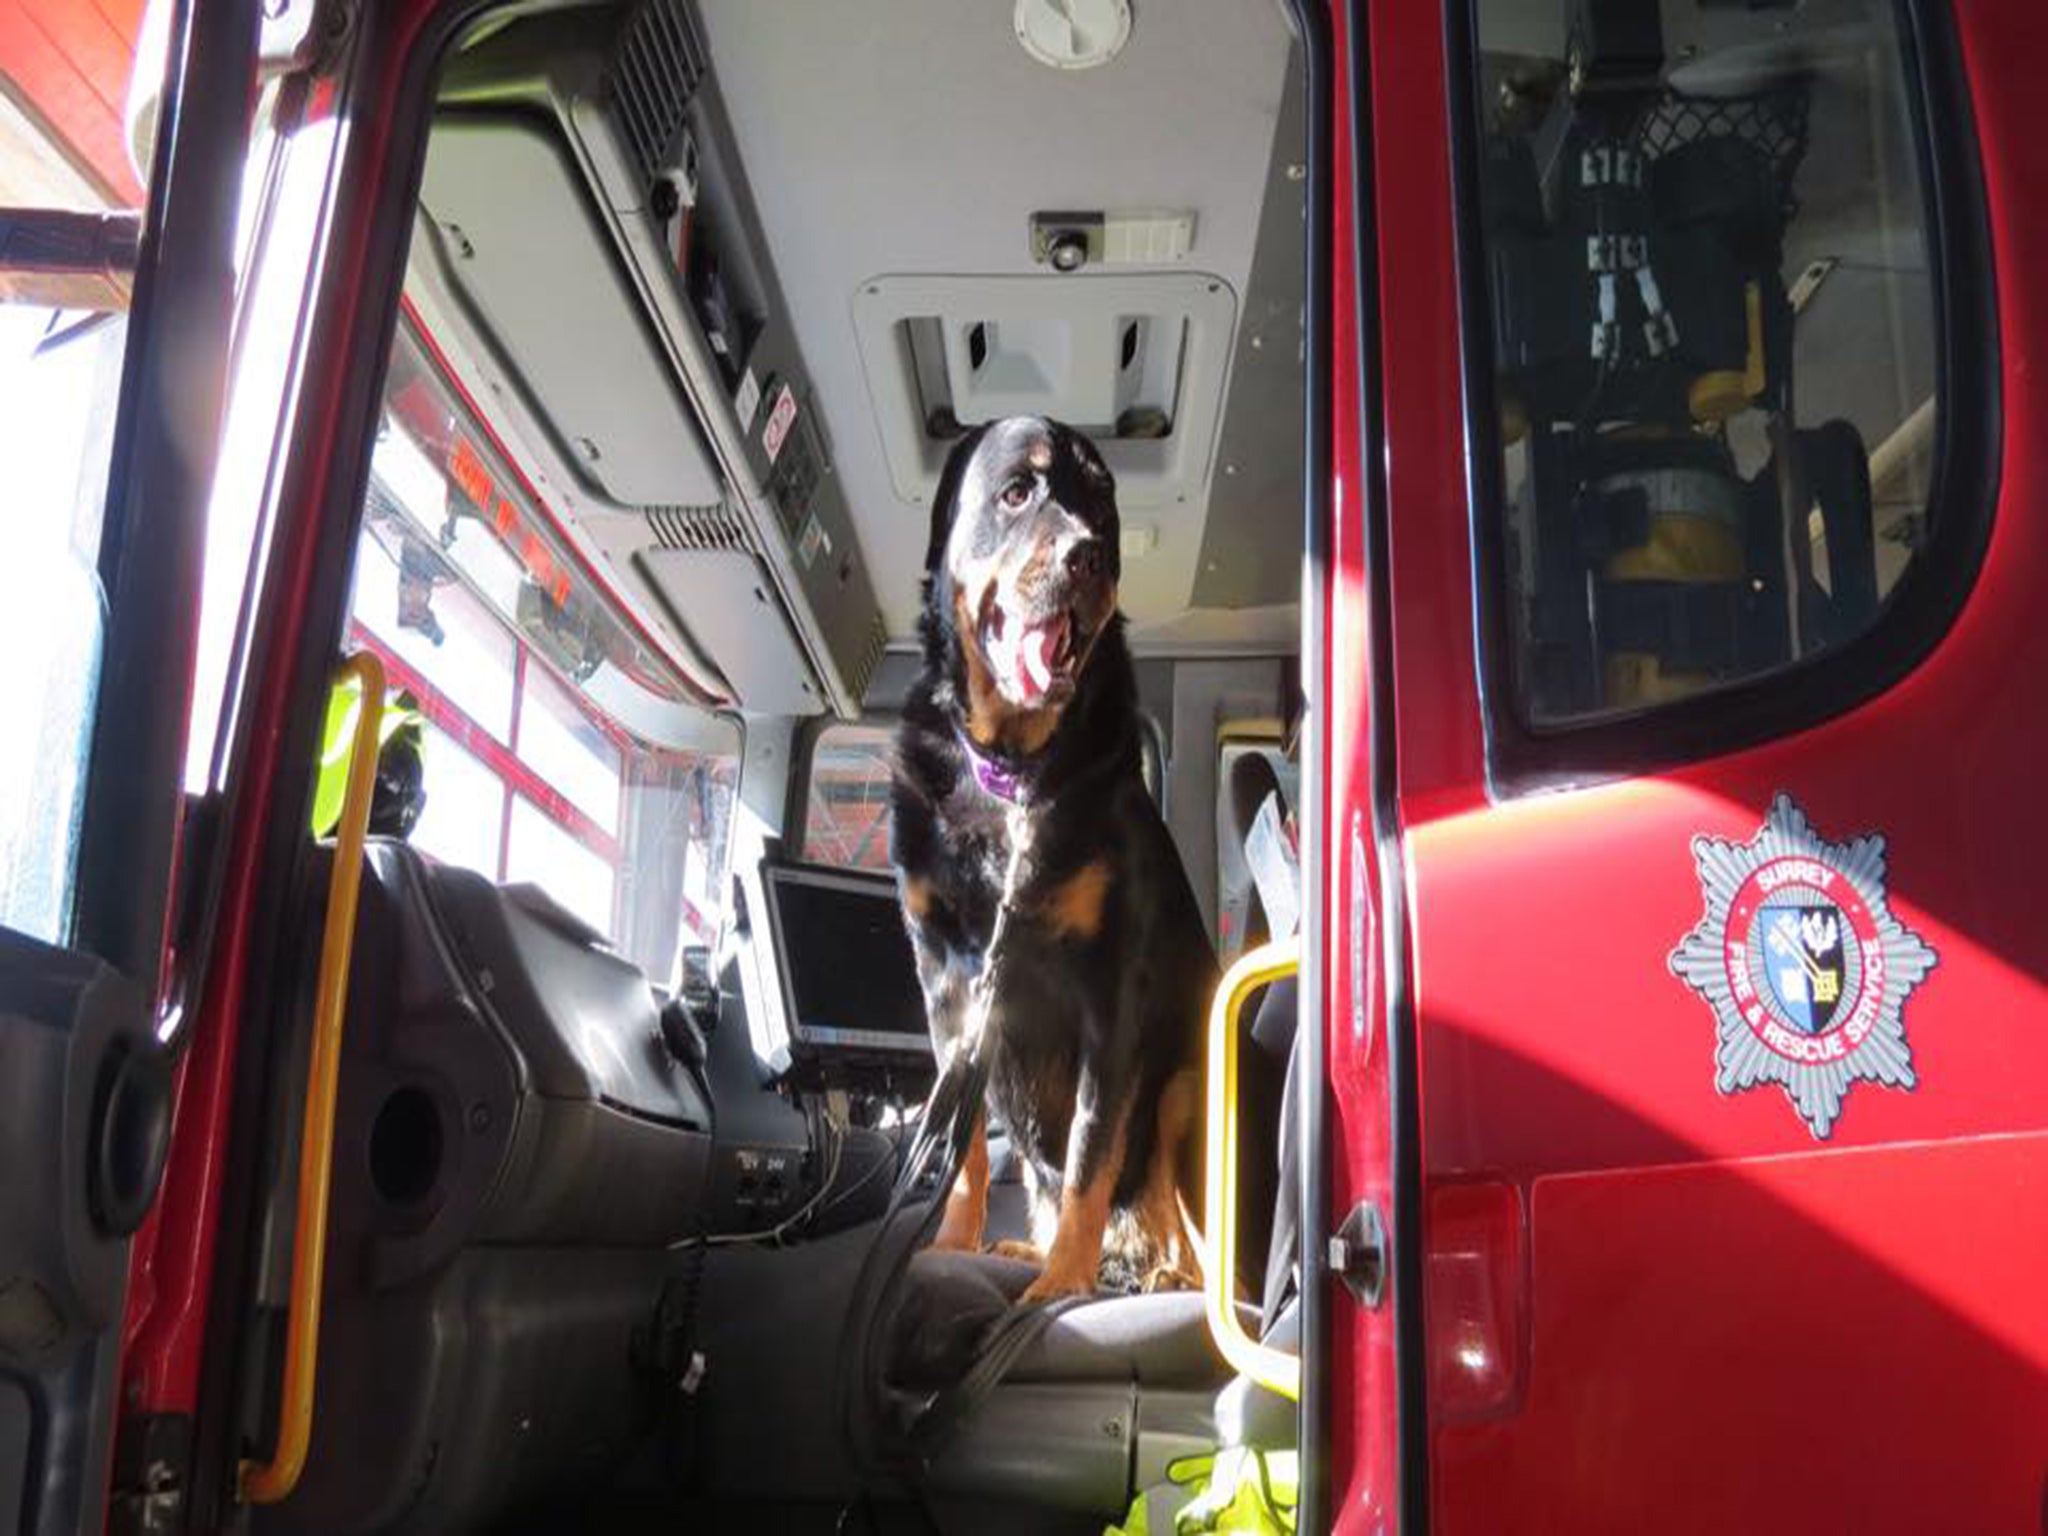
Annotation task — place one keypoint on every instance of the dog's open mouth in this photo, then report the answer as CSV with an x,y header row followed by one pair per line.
x,y
1035,659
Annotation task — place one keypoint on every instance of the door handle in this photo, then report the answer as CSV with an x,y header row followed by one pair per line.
x,y
1270,1367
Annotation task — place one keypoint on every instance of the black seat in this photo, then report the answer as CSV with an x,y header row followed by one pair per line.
x,y
1091,1409
950,1300
1111,1391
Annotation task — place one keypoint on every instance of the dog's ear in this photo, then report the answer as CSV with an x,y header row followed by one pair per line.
x,y
946,499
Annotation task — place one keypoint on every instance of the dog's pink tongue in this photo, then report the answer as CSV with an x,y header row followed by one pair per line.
x,y
1035,650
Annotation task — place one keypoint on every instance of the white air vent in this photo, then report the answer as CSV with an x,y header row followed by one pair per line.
x,y
1138,362
1117,376
713,527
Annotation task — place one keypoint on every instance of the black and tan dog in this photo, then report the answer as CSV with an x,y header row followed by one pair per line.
x,y
1025,721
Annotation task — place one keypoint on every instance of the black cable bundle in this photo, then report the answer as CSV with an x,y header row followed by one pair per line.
x,y
940,1147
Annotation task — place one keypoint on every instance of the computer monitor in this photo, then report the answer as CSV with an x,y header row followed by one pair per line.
x,y
849,987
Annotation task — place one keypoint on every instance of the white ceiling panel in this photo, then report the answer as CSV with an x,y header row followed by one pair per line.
x,y
919,138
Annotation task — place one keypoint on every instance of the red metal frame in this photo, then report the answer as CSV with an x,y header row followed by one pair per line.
x,y
1364,1425
174,1254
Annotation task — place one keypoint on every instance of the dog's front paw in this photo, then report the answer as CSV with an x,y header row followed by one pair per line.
x,y
1058,1281
1017,1248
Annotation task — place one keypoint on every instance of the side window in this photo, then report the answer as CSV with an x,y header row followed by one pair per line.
x,y
71,200
59,370
846,816
557,746
1706,251
63,337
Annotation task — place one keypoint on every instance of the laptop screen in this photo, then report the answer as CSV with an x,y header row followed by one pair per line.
x,y
849,978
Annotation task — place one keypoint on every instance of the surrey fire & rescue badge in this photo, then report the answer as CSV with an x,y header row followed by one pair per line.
x,y
1804,966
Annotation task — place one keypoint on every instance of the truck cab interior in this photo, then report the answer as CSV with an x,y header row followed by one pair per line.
x,y
697,300
694,297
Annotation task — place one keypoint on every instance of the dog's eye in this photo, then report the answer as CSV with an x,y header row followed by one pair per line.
x,y
1016,492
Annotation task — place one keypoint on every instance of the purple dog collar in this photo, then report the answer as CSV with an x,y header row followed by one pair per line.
x,y
993,776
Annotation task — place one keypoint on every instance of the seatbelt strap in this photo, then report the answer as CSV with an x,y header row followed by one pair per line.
x,y
945,1127
1008,1337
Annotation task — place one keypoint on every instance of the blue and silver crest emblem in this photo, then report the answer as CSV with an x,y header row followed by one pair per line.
x,y
1803,964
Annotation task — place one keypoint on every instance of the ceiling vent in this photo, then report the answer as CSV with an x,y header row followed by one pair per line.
x,y
659,62
713,527
1138,362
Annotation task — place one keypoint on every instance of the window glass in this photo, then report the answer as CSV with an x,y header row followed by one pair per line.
x,y
678,823
567,748
1713,335
63,337
560,748
283,191
463,819
59,371
541,852
407,597
846,818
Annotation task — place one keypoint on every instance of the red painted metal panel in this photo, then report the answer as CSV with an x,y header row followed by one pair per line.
x,y
1843,1342
1438,727
176,1252
1730,1325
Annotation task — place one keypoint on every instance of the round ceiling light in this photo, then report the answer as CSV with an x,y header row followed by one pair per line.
x,y
1073,34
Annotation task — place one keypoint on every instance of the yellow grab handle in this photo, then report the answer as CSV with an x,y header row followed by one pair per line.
x,y
1270,1367
268,1482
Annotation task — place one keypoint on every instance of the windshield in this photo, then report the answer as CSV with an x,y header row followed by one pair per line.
x,y
559,746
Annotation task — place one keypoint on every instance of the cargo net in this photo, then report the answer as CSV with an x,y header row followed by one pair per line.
x,y
1771,122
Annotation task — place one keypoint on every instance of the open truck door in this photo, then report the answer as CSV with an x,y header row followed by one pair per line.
x,y
102,637
1717,745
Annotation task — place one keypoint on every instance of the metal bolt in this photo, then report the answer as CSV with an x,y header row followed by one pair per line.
x,y
1296,171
